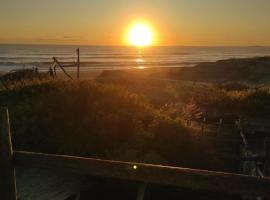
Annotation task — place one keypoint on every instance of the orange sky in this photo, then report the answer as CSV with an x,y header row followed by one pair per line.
x,y
104,22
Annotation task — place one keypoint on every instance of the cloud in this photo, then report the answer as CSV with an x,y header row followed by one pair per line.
x,y
61,39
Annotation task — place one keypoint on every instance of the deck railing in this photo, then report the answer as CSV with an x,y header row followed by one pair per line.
x,y
147,173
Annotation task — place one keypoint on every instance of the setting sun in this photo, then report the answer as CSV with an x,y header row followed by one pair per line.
x,y
140,35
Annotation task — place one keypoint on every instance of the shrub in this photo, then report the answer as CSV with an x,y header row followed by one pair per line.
x,y
86,118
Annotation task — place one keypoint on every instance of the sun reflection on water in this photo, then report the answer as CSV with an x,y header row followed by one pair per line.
x,y
140,67
139,61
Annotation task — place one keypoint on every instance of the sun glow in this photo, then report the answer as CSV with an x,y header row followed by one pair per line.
x,y
140,35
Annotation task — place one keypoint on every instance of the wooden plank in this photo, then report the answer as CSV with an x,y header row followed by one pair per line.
x,y
42,184
7,172
173,176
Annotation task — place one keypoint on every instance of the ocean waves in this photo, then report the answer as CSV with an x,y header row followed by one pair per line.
x,y
107,57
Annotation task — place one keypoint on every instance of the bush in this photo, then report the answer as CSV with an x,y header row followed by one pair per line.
x,y
87,118
101,120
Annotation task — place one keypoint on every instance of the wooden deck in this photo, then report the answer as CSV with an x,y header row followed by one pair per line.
x,y
34,183
28,175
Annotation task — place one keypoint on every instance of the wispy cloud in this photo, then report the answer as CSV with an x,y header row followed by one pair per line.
x,y
61,39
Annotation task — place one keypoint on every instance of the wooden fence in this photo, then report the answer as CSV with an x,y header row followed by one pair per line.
x,y
146,173
56,62
204,126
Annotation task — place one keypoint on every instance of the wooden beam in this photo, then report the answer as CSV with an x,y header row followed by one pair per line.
x,y
7,172
59,64
173,176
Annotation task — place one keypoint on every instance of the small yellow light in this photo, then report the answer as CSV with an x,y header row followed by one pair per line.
x,y
135,167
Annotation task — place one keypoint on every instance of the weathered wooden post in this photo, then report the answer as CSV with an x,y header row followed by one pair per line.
x,y
267,157
141,191
54,66
62,68
7,170
219,125
78,63
202,125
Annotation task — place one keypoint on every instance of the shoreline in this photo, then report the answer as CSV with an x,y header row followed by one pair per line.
x,y
254,69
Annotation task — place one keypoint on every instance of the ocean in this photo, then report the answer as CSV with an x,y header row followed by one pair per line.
x,y
112,57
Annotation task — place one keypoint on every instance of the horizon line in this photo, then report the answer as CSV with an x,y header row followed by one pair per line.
x,y
111,45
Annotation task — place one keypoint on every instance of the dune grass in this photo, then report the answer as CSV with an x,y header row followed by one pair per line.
x,y
108,121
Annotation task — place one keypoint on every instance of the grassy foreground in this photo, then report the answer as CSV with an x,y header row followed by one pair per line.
x,y
104,121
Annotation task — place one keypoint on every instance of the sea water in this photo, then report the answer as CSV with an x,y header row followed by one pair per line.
x,y
117,57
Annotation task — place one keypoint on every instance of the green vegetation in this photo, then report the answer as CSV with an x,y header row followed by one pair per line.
x,y
132,115
233,98
248,70
104,121
87,118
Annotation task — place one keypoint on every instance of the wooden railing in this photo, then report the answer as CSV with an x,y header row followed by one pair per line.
x,y
165,175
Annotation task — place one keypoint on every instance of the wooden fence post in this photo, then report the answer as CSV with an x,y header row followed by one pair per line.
x,y
267,157
203,124
219,125
78,64
62,68
141,191
7,170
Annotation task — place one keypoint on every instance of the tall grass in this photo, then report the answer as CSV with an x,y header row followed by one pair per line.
x,y
102,120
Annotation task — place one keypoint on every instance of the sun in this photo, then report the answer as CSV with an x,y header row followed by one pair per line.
x,y
140,35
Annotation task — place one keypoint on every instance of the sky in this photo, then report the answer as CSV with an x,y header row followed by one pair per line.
x,y
104,22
